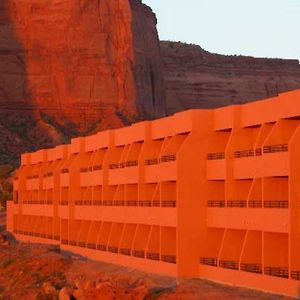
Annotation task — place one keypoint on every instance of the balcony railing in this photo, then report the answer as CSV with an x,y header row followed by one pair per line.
x,y
210,261
91,245
244,153
229,264
216,156
295,275
247,153
152,256
216,203
153,161
125,251
38,202
168,203
276,148
252,268
65,171
49,174
113,249
162,159
138,253
277,272
169,258
251,203
168,158
145,203
276,204
33,177
122,165
131,163
236,203
255,203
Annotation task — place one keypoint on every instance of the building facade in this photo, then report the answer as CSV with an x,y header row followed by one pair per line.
x,y
213,194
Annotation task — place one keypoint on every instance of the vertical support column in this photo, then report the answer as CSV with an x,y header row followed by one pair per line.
x,y
294,205
192,194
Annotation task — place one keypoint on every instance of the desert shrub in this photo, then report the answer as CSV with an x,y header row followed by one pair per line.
x,y
5,171
4,197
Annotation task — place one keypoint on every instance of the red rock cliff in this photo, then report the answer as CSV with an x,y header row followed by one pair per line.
x,y
195,78
78,65
86,58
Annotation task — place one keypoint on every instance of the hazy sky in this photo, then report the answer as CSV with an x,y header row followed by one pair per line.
x,y
263,28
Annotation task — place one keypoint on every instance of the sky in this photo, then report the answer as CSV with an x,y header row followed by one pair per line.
x,y
261,28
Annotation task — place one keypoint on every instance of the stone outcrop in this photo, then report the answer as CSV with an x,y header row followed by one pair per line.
x,y
195,78
74,66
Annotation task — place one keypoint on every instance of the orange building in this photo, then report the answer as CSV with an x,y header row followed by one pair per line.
x,y
204,193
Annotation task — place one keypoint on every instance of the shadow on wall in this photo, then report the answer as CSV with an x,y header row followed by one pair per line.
x,y
19,127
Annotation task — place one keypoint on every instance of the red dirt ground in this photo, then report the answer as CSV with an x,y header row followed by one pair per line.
x,y
33,271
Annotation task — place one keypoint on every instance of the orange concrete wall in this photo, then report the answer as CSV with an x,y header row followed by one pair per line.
x,y
202,193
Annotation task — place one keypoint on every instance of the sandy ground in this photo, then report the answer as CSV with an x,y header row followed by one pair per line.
x,y
33,271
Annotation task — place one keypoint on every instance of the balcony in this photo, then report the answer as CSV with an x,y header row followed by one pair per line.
x,y
92,176
161,169
128,214
65,178
123,173
271,160
216,166
32,183
48,181
261,219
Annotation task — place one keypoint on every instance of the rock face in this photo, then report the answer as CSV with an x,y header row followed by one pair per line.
x,y
195,78
75,66
84,57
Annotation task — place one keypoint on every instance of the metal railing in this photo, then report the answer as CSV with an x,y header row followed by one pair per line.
x,y
150,162
276,204
169,258
229,264
101,247
122,165
251,268
152,256
255,203
210,261
138,253
216,203
244,153
162,159
113,249
91,245
168,203
236,203
145,203
216,156
125,251
168,158
295,275
247,153
135,203
276,148
277,272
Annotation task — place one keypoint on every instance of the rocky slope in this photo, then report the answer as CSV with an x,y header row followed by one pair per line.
x,y
195,78
32,271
